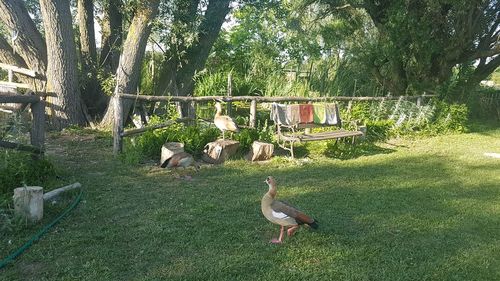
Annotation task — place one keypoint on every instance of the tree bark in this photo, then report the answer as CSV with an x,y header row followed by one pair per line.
x,y
8,56
63,92
29,43
196,55
111,39
92,95
128,72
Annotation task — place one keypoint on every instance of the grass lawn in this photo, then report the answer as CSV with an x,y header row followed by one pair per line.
x,y
425,209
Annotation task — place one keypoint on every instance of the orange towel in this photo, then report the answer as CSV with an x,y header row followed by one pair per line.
x,y
306,113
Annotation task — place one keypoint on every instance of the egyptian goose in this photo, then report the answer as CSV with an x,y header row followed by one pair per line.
x,y
281,213
181,159
223,122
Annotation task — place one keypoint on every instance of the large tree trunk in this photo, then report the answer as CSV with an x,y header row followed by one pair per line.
x,y
92,94
128,72
8,56
29,43
64,101
111,40
195,56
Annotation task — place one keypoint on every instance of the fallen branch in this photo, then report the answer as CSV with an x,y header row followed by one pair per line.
x,y
51,195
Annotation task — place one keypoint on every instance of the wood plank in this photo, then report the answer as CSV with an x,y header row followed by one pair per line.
x,y
117,125
10,98
260,98
321,136
14,84
21,147
131,132
20,70
37,134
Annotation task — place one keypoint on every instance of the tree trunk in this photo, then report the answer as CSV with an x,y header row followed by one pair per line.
x,y
111,39
195,56
8,56
29,43
128,72
63,91
92,95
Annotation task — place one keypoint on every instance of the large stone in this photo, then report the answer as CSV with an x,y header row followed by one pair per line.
x,y
28,202
260,151
219,151
168,150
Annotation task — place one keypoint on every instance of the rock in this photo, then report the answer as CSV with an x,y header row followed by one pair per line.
x,y
168,150
219,151
28,202
260,151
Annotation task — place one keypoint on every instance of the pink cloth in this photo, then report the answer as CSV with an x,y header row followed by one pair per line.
x,y
306,113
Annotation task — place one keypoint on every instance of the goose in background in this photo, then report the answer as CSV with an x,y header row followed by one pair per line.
x,y
223,122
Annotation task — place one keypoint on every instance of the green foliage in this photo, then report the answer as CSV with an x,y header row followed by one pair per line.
x,y
148,144
385,119
451,118
20,168
247,136
107,81
211,84
379,130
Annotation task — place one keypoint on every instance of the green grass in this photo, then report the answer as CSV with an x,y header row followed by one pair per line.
x,y
421,209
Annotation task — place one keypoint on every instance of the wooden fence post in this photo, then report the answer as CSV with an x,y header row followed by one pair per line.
x,y
229,94
253,113
37,135
118,125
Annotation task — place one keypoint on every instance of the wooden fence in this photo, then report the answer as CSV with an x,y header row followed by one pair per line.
x,y
118,126
37,133
37,105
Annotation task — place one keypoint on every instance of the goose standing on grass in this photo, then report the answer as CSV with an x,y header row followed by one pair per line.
x,y
223,122
281,213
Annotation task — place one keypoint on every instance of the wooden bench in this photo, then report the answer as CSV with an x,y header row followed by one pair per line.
x,y
300,133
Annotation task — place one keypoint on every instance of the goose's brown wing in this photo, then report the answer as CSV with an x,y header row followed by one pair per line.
x,y
291,211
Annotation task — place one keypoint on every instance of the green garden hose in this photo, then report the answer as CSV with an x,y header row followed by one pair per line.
x,y
10,258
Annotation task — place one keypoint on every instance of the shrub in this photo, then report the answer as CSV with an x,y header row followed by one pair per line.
x,y
19,168
247,136
194,139
450,118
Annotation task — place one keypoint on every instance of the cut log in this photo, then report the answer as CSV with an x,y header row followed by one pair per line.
x,y
168,150
28,202
54,194
219,151
260,151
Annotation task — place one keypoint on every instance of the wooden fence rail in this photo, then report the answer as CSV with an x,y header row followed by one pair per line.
x,y
118,127
37,133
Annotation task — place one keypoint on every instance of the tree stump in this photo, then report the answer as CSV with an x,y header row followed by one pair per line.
x,y
219,151
260,151
168,150
28,202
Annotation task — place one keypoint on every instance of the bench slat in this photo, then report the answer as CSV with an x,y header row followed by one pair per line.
x,y
322,136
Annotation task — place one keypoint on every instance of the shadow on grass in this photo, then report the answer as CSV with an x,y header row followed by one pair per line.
x,y
396,218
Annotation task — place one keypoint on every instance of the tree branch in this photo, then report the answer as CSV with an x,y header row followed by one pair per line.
x,y
29,43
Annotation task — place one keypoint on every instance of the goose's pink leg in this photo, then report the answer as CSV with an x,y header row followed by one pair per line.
x,y
292,230
280,239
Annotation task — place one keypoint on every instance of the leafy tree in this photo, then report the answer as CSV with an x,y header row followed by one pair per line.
x,y
417,44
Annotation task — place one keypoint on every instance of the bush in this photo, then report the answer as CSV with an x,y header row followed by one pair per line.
x,y
194,139
379,130
19,168
247,136
450,118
